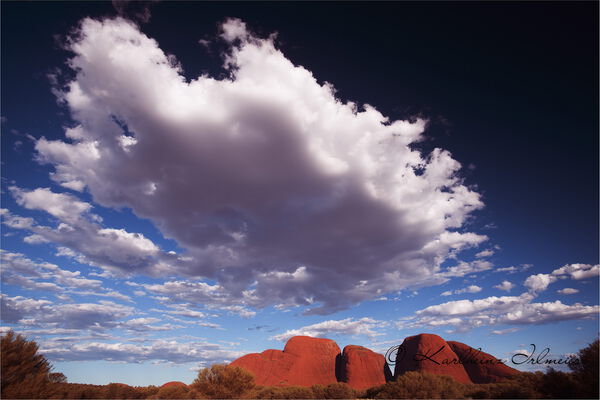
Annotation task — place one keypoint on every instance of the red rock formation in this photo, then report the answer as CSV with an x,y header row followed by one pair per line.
x,y
304,361
429,353
362,368
481,367
307,361
173,383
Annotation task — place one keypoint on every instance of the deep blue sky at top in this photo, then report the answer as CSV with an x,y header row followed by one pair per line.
x,y
508,87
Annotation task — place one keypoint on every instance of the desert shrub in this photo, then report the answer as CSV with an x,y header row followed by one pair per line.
x,y
339,390
25,373
586,371
148,391
78,391
296,392
559,385
419,385
121,391
223,382
318,391
285,392
263,392
525,385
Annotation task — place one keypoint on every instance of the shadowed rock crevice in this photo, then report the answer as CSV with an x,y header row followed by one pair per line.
x,y
340,373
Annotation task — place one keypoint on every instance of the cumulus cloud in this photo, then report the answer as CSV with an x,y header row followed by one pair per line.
x,y
504,331
63,206
97,316
506,310
18,269
539,283
158,350
464,268
514,269
469,289
485,253
21,271
507,286
145,325
348,326
259,175
578,271
79,234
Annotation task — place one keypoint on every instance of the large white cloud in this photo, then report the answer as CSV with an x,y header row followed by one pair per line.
x,y
259,175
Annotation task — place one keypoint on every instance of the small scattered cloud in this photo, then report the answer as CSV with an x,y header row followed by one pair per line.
x,y
485,253
578,271
506,310
165,350
468,289
507,286
504,331
539,283
514,269
567,291
348,326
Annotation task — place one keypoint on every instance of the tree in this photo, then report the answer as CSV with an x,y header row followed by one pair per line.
x,y
223,382
57,377
25,373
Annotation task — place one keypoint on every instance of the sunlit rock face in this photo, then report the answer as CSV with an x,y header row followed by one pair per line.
x,y
305,361
362,368
481,367
431,354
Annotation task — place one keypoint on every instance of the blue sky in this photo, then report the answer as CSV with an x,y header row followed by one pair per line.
x,y
186,183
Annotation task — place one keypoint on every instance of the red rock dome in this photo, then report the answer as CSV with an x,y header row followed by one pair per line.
x,y
481,367
429,353
362,368
305,361
173,384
